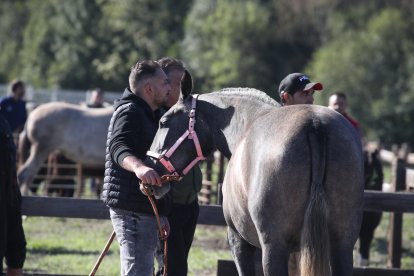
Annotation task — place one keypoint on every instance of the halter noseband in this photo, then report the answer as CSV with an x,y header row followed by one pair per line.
x,y
190,133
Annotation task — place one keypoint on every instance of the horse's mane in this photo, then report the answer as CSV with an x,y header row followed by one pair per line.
x,y
250,93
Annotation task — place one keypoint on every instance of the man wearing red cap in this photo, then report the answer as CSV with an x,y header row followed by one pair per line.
x,y
296,88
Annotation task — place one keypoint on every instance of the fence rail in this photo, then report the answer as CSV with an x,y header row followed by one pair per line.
x,y
209,214
396,202
228,268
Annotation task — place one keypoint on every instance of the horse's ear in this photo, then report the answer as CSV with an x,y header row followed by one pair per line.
x,y
186,85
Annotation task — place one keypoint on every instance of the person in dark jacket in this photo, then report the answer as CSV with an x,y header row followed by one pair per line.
x,y
131,130
185,209
12,239
13,106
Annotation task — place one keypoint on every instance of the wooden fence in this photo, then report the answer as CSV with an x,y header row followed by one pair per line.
x,y
397,202
402,179
210,215
52,170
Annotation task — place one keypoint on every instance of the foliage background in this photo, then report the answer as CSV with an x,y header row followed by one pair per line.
x,y
363,48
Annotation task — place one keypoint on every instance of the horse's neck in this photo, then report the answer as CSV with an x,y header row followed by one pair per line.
x,y
244,112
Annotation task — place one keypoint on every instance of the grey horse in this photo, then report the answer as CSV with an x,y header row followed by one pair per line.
x,y
77,132
294,181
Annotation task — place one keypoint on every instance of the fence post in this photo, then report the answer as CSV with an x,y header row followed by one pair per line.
x,y
79,177
396,219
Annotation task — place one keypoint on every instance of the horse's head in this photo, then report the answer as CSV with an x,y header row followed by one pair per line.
x,y
182,139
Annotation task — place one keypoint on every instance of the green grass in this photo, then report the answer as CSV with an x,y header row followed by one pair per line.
x,y
68,246
72,246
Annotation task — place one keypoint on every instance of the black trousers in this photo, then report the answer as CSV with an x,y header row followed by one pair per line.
x,y
183,222
370,221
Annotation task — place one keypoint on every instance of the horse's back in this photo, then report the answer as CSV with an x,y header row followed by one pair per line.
x,y
275,184
79,132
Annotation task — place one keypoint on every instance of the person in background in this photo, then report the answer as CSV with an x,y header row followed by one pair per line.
x,y
374,178
131,130
185,208
12,238
13,106
296,88
338,102
96,99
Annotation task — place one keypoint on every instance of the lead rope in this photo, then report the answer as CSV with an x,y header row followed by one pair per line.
x,y
163,234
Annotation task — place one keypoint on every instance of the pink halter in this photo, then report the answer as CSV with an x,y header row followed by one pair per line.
x,y
191,134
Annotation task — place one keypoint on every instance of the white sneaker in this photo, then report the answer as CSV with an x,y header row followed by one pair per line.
x,y
363,262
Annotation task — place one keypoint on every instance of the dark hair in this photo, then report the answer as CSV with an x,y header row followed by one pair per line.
x,y
140,71
169,64
15,85
339,94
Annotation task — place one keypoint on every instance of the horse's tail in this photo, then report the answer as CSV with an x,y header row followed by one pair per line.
x,y
315,246
23,147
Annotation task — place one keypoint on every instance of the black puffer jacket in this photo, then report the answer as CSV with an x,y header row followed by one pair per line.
x,y
131,131
12,239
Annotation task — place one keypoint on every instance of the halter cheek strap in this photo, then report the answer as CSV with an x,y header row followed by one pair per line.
x,y
190,133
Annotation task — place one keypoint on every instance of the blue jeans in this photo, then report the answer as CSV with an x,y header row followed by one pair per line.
x,y
137,235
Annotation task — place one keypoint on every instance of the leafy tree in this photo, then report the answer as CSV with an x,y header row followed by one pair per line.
x,y
58,43
134,30
13,18
252,43
373,66
81,44
223,42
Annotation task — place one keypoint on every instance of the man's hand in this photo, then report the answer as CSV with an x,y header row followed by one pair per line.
x,y
146,174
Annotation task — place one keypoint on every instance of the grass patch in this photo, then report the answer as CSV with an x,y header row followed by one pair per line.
x,y
72,246
65,246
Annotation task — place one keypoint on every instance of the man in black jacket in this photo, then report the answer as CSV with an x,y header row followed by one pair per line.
x,y
12,239
130,134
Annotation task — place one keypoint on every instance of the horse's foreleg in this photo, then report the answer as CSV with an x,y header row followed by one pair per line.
x,y
243,253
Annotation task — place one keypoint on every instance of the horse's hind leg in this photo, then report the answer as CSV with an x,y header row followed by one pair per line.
x,y
342,261
243,253
31,167
275,260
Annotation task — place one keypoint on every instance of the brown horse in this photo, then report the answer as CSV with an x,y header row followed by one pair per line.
x,y
294,181
78,133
